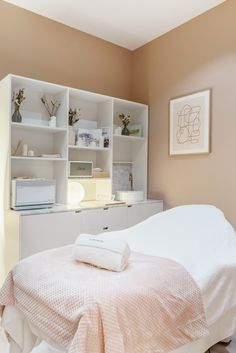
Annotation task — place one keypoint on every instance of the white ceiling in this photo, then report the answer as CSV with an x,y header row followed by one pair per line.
x,y
128,23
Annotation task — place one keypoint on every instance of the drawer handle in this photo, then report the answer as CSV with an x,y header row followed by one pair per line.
x,y
105,228
106,208
129,206
77,211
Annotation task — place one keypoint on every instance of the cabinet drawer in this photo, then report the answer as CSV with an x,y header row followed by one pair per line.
x,y
47,231
104,219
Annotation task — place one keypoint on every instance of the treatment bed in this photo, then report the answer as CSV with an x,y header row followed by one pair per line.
x,y
199,238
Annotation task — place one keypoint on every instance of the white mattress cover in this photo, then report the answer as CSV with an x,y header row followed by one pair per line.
x,y
200,238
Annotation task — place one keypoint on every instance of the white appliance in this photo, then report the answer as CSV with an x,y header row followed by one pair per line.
x,y
32,193
80,169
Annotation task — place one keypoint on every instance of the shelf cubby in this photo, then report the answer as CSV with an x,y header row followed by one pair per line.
x,y
32,109
130,151
41,141
95,113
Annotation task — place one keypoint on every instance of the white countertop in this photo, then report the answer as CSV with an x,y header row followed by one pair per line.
x,y
85,205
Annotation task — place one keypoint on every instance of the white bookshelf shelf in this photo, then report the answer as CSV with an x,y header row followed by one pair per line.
x,y
37,127
89,148
122,162
129,138
21,158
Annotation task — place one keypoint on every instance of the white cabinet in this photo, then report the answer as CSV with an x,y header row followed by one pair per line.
x,y
29,234
47,231
103,219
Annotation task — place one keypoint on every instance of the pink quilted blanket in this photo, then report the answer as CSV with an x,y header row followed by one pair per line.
x,y
154,306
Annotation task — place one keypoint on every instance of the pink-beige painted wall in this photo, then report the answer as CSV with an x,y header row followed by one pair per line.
x,y
200,54
34,46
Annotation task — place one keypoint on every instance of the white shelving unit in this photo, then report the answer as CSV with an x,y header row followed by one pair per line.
x,y
96,111
37,127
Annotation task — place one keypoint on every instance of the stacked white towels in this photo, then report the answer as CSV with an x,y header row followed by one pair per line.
x,y
100,251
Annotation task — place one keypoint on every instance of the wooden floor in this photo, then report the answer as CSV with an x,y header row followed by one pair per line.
x,y
216,349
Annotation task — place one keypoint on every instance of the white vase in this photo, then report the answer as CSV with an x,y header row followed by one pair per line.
x,y
52,121
71,135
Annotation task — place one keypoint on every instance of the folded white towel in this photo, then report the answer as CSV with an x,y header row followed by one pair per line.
x,y
100,251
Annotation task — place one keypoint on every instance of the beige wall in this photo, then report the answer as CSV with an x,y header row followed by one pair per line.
x,y
198,55
34,46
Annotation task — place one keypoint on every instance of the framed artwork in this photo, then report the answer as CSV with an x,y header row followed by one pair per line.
x,y
190,124
135,130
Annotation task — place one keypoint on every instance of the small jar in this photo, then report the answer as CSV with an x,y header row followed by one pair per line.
x,y
101,142
30,153
25,150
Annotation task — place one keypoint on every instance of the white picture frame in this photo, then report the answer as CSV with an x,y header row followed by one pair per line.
x,y
189,124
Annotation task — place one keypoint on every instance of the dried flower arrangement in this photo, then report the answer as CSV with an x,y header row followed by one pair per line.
x,y
15,149
125,119
52,110
73,116
17,98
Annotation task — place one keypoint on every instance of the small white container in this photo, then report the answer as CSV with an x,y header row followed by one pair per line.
x,y
93,144
52,121
129,196
30,153
101,142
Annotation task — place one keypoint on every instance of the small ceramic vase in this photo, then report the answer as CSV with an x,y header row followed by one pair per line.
x,y
125,131
53,121
16,117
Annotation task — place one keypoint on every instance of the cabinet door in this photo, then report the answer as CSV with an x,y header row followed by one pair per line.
x,y
47,231
114,218
139,212
104,220
91,221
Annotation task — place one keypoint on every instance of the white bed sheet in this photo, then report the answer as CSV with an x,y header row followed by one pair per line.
x,y
199,238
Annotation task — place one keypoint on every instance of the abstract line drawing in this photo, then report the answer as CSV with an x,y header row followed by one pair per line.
x,y
189,123
188,129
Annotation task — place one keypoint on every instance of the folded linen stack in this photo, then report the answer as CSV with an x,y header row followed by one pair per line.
x,y
100,251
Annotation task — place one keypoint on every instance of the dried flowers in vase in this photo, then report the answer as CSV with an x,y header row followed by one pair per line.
x,y
15,149
73,116
51,109
125,119
17,98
